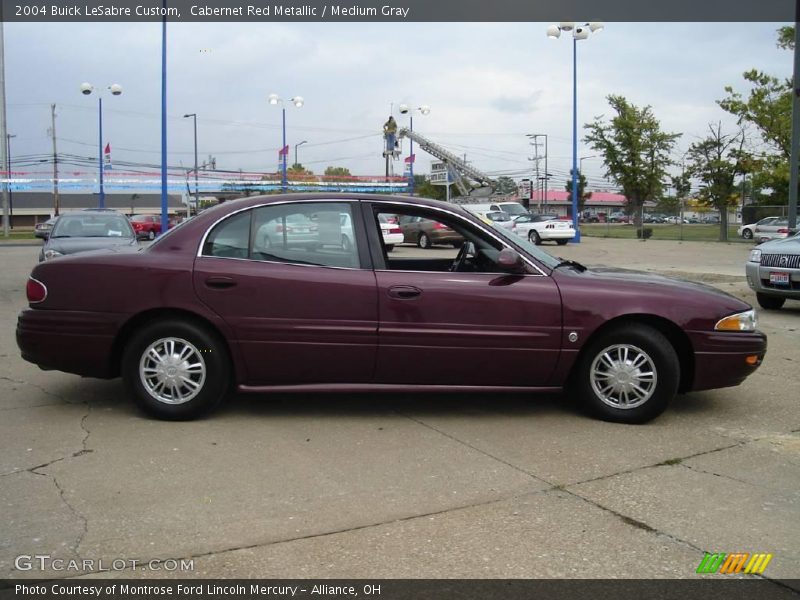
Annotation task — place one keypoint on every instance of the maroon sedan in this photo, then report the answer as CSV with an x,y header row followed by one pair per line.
x,y
223,308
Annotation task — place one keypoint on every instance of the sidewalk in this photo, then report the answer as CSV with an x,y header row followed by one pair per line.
x,y
706,261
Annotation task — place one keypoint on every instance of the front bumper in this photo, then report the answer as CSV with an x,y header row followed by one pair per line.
x,y
70,341
720,357
758,280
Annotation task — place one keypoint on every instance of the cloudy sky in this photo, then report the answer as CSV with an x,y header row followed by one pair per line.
x,y
487,86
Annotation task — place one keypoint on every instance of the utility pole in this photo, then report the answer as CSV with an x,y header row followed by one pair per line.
x,y
8,169
3,132
55,159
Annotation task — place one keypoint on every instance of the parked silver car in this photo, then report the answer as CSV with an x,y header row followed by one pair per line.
x,y
746,231
773,230
773,272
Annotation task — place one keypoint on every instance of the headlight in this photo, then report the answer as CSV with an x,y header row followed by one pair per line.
x,y
755,255
48,254
743,321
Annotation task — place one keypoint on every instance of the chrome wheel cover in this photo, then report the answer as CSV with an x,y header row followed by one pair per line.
x,y
172,370
623,376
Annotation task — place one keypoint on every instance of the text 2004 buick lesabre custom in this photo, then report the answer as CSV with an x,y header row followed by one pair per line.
x,y
262,294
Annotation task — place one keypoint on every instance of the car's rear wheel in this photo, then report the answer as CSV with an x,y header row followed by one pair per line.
x,y
346,244
770,302
424,241
176,370
533,236
747,234
628,375
151,235
389,247
562,242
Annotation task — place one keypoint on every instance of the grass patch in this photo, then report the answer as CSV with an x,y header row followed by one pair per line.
x,y
662,231
18,234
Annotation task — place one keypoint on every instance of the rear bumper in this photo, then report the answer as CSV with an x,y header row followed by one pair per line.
x,y
69,341
721,357
557,234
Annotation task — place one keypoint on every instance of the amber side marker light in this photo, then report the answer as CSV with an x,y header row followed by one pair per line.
x,y
752,360
35,290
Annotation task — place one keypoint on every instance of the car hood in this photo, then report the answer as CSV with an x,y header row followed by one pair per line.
x,y
607,293
783,246
80,244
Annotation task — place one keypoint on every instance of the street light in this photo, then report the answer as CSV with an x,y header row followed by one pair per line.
x,y
196,184
295,150
298,101
8,176
581,32
86,90
405,110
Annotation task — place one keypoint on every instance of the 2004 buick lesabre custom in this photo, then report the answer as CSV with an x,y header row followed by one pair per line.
x,y
224,306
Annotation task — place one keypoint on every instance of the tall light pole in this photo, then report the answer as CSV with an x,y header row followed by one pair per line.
x,y
196,184
298,101
8,176
295,150
164,190
87,89
580,32
405,110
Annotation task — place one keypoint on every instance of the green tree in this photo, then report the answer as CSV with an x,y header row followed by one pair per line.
x,y
506,185
337,172
682,184
768,107
635,150
425,189
583,195
716,161
298,170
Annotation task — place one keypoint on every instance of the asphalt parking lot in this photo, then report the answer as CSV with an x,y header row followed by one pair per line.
x,y
407,485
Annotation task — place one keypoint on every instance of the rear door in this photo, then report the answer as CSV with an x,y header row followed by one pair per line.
x,y
302,311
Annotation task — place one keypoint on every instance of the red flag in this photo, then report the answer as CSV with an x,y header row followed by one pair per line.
x,y
283,151
108,148
410,159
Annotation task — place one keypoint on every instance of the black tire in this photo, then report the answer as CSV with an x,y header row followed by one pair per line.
x,y
424,241
533,236
346,243
770,302
637,338
207,347
458,245
389,247
562,242
151,235
747,234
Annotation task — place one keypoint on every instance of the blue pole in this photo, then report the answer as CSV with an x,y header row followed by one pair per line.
x,y
283,162
102,202
411,156
577,237
164,208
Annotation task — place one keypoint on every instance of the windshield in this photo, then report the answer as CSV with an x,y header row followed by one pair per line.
x,y
531,249
514,208
92,225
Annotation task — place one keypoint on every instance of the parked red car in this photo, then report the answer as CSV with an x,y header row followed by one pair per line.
x,y
148,226
222,308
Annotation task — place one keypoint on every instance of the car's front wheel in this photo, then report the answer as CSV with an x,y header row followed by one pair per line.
x,y
770,302
628,375
176,370
151,235
424,241
533,236
747,234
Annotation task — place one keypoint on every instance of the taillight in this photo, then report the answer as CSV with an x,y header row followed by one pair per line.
x,y
440,226
783,230
35,290
395,230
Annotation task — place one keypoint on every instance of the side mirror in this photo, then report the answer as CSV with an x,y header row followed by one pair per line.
x,y
510,261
